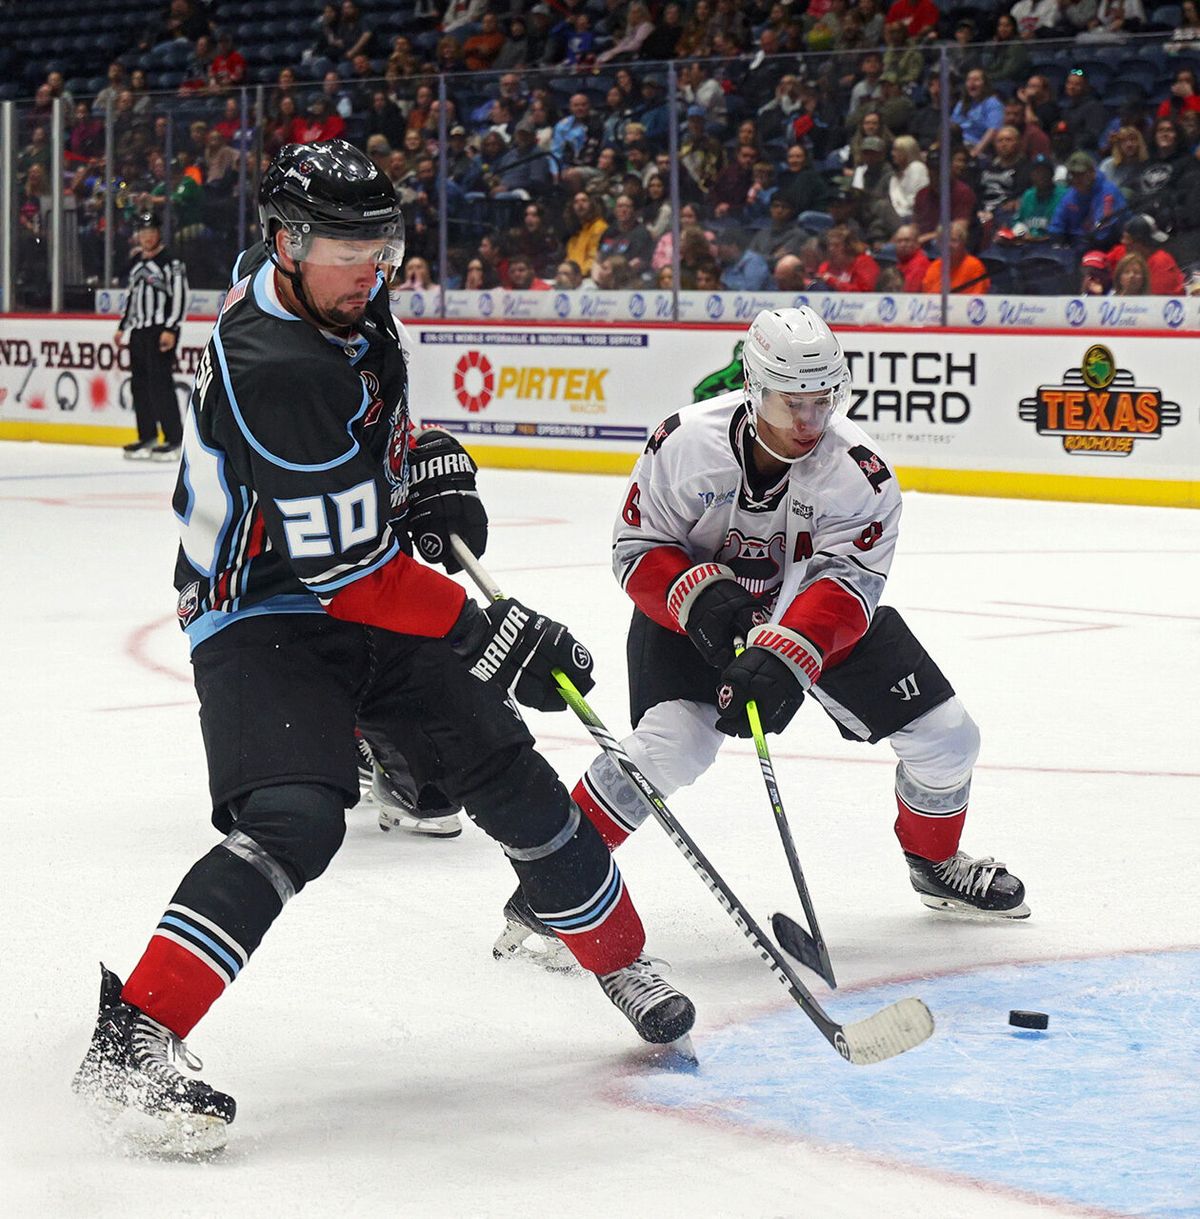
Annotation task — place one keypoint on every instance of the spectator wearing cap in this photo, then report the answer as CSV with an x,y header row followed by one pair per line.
x,y
909,176
1084,114
1091,212
1039,203
782,235
1095,275
911,261
1006,57
900,58
895,109
978,113
967,273
847,266
919,17
873,179
654,113
317,124
742,269
700,153
1144,238
927,206
462,165
523,171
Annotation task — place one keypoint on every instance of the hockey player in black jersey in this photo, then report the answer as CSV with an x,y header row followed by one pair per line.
x,y
307,616
765,514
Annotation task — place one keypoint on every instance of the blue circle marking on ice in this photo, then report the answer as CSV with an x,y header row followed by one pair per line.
x,y
1102,1110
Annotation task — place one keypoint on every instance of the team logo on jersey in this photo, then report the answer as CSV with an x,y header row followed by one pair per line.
x,y
1099,408
374,398
188,603
756,562
872,465
725,697
803,511
474,381
660,434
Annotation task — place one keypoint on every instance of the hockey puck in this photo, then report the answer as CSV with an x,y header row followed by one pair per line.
x,y
1028,1020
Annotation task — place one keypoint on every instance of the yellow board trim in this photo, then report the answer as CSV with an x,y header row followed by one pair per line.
x,y
1003,484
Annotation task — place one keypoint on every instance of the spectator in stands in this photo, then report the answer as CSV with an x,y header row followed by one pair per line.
x,y
700,154
925,126
663,41
417,276
873,179
36,152
1039,203
911,261
900,58
741,269
639,25
115,82
479,276
609,274
731,187
1131,277
420,108
1168,186
656,211
1033,139
847,266
1041,110
1095,275
1123,167
481,48
1066,18
927,205
782,235
1085,115
384,118
696,250
183,22
522,277
909,176
867,91
380,151
870,126
1006,58
1143,238
228,69
576,141
978,113
523,170
85,139
628,237
1187,33
579,42
534,239
317,124
1003,181
1183,95
285,86
279,129
1114,21
708,274
584,225
462,165
493,252
963,54
1090,214
700,89
895,108
697,32
220,166
967,273
919,17
354,35
567,275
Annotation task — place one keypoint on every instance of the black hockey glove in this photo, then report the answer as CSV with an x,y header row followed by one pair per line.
x,y
516,648
709,603
443,500
776,668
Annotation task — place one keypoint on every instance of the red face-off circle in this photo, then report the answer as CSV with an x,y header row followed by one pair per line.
x,y
474,381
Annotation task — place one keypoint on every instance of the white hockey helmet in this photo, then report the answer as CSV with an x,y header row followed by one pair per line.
x,y
795,370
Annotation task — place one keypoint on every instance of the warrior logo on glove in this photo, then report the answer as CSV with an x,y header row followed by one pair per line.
x,y
443,499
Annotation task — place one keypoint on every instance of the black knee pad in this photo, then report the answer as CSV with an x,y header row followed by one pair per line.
x,y
300,825
522,804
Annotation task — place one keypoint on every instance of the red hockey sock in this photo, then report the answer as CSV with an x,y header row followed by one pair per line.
x,y
931,835
611,831
173,986
616,942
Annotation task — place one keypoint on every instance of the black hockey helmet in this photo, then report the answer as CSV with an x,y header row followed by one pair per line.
x,y
330,190
146,220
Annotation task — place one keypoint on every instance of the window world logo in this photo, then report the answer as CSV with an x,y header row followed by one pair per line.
x,y
1173,313
887,308
637,305
1099,409
714,306
976,311
1076,312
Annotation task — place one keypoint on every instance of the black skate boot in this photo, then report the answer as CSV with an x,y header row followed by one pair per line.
x,y
139,450
429,813
977,888
659,1012
517,940
129,1077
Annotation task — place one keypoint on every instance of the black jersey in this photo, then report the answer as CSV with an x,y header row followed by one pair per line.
x,y
295,458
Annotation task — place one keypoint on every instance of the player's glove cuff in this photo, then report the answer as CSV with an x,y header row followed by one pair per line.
x,y
681,596
802,657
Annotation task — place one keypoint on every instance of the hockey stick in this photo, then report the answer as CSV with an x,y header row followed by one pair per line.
x,y
807,946
896,1028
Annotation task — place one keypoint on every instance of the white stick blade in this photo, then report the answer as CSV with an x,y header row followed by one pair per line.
x,y
887,1033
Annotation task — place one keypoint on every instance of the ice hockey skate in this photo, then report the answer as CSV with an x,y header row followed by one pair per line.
x,y
430,813
525,937
660,1013
974,888
129,1078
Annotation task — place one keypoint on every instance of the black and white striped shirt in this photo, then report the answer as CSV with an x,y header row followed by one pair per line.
x,y
158,292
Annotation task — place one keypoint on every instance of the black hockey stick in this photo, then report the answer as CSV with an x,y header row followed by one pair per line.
x,y
807,946
896,1028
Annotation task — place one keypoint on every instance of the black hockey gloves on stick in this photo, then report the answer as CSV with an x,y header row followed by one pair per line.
x,y
899,1027
519,650
776,668
713,608
443,500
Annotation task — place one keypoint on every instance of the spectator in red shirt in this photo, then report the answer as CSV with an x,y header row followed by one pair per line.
x,y
521,276
229,66
919,17
927,207
318,124
911,261
847,267
1143,237
1183,96
481,49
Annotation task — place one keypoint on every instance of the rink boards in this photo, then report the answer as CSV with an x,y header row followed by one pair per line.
x,y
1104,415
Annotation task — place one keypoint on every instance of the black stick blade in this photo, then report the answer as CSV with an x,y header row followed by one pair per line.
x,y
799,944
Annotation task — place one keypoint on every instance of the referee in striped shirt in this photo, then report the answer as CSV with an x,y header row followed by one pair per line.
x,y
154,310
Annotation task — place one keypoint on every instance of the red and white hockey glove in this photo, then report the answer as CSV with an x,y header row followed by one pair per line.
x,y
714,609
776,668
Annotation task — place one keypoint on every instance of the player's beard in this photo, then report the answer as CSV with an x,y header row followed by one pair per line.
x,y
342,314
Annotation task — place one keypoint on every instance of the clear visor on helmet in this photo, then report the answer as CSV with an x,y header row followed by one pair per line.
x,y
805,415
385,250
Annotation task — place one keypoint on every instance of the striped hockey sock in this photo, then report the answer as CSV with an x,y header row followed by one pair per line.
x,y
930,820
604,933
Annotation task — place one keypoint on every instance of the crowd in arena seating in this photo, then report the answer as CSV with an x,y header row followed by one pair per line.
x,y
810,149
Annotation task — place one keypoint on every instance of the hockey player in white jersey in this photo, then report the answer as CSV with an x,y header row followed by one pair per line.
x,y
765,514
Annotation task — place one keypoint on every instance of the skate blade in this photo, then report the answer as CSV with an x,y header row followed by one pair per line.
x,y
422,827
679,1055
138,456
518,943
169,1136
948,905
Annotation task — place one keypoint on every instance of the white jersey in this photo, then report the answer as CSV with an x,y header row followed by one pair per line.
x,y
831,517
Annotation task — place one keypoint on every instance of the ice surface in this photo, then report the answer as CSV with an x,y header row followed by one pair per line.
x,y
385,1065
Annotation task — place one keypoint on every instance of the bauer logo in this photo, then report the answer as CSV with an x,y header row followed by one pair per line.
x,y
1076,312
976,311
1099,409
1173,313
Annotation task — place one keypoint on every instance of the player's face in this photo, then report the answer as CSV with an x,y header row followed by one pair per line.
x,y
339,277
792,424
